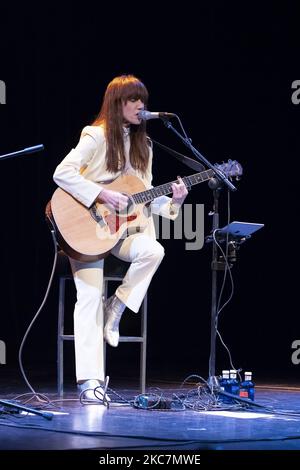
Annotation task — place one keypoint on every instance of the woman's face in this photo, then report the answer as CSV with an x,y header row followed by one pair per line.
x,y
131,109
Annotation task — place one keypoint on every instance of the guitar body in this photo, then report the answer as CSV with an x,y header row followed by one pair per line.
x,y
89,234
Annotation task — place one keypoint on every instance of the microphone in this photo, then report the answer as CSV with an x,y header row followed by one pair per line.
x,y
146,115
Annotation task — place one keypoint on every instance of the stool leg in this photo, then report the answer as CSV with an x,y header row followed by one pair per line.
x,y
60,341
143,346
105,295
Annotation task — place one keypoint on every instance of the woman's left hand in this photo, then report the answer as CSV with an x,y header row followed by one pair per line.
x,y
180,191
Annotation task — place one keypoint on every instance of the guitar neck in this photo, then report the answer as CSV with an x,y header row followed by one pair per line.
x,y
164,189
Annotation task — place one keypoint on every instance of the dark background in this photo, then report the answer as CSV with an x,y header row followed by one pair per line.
x,y
227,71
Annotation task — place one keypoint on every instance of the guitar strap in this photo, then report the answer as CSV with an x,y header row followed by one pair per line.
x,y
182,158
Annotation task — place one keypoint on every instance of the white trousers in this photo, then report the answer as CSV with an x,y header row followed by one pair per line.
x,y
145,255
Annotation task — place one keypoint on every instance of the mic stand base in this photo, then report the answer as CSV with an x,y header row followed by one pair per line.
x,y
213,383
237,398
16,407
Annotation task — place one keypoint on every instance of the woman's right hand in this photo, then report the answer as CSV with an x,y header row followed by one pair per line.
x,y
115,199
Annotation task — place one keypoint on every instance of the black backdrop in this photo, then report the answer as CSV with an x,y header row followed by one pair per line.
x,y
227,72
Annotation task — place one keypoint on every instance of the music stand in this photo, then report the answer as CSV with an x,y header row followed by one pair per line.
x,y
235,233
238,231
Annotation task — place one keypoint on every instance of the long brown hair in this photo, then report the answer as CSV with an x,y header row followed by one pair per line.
x,y
119,91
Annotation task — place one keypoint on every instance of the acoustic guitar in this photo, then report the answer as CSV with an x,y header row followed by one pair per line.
x,y
88,234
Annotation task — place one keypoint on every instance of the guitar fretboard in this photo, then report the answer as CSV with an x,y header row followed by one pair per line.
x,y
164,189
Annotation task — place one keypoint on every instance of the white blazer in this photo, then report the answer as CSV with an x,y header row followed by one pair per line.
x,y
83,170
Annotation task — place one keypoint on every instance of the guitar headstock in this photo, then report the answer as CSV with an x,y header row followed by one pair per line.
x,y
231,169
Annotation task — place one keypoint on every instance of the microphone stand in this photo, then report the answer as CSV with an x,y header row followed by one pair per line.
x,y
36,148
213,382
216,185
8,404
199,156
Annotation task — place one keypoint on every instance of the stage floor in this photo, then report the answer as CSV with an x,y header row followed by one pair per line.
x,y
274,425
